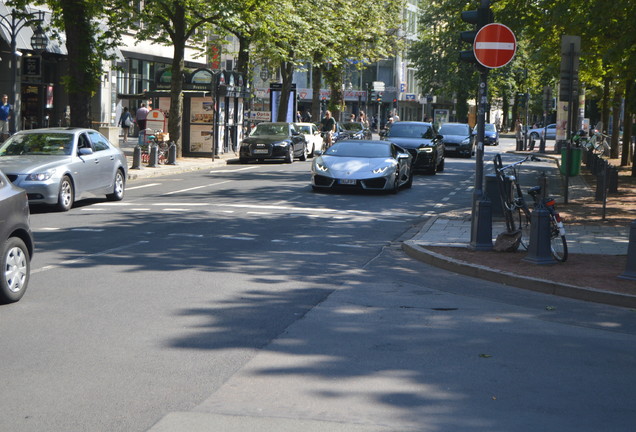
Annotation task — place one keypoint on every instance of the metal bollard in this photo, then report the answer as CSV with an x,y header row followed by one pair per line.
x,y
630,267
153,158
601,182
612,179
481,231
539,251
172,154
136,163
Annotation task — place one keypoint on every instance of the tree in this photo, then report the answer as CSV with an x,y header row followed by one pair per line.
x,y
88,43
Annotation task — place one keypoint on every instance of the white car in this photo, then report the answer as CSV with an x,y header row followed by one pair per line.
x,y
312,136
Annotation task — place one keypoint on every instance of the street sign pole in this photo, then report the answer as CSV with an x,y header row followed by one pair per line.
x,y
494,47
481,217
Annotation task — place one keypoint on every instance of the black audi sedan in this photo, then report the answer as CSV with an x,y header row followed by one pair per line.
x,y
422,142
273,141
458,139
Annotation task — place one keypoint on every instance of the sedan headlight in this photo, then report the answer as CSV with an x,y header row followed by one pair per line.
x,y
281,144
380,170
466,141
43,176
425,149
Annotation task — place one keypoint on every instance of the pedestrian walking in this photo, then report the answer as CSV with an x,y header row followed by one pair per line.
x,y
519,134
364,120
5,116
125,121
141,116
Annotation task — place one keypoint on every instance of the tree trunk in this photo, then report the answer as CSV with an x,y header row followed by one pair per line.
x,y
176,86
287,75
243,60
316,83
627,125
80,83
504,108
333,77
616,121
606,103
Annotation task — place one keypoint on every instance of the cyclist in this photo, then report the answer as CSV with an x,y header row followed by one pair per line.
x,y
328,124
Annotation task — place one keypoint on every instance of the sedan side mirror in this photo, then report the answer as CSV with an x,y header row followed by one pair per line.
x,y
439,137
85,151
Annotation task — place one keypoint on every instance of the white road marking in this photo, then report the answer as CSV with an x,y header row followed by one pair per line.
x,y
87,229
196,187
142,186
234,170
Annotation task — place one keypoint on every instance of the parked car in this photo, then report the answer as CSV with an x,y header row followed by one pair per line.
x,y
273,141
491,135
16,241
362,165
355,130
423,143
457,138
312,137
537,133
58,166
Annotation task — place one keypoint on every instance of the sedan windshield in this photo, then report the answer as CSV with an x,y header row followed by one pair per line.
x,y
406,130
269,129
449,129
57,144
489,127
359,149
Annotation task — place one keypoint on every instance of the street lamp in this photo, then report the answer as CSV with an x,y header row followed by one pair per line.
x,y
13,24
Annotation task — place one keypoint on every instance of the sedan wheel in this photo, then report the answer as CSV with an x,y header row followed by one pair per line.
x,y
66,196
16,268
290,155
303,157
118,187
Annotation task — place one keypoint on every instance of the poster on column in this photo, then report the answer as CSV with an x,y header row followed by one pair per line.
x,y
201,124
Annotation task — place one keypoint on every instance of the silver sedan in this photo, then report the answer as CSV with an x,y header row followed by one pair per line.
x,y
362,165
57,166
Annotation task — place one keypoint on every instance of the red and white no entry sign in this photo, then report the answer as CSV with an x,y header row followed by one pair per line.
x,y
495,45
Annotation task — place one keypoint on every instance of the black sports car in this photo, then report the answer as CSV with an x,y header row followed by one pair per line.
x,y
273,141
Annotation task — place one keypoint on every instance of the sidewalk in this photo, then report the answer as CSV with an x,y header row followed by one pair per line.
x,y
603,242
182,164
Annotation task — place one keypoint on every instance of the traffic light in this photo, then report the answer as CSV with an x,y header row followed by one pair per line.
x,y
479,17
379,97
372,96
394,103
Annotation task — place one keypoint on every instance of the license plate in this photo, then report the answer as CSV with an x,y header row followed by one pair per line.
x,y
260,151
451,147
347,181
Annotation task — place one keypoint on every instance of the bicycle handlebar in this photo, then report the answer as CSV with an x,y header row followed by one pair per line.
x,y
499,165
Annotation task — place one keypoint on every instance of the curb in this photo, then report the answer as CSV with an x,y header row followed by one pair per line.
x,y
525,282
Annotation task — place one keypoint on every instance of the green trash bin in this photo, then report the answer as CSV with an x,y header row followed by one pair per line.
x,y
575,167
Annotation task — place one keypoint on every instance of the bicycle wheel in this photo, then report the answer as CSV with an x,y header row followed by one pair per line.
x,y
558,244
522,217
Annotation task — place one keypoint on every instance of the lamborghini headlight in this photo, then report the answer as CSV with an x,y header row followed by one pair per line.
x,y
321,167
380,170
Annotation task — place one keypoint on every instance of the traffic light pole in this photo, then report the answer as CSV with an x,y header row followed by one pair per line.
x,y
481,220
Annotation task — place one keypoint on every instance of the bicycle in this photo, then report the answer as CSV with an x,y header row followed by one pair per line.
x,y
517,214
515,209
597,142
558,243
327,140
159,139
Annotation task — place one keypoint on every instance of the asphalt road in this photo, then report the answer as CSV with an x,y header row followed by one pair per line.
x,y
148,306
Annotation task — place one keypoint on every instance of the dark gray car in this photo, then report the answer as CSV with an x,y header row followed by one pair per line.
x,y
16,241
458,139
